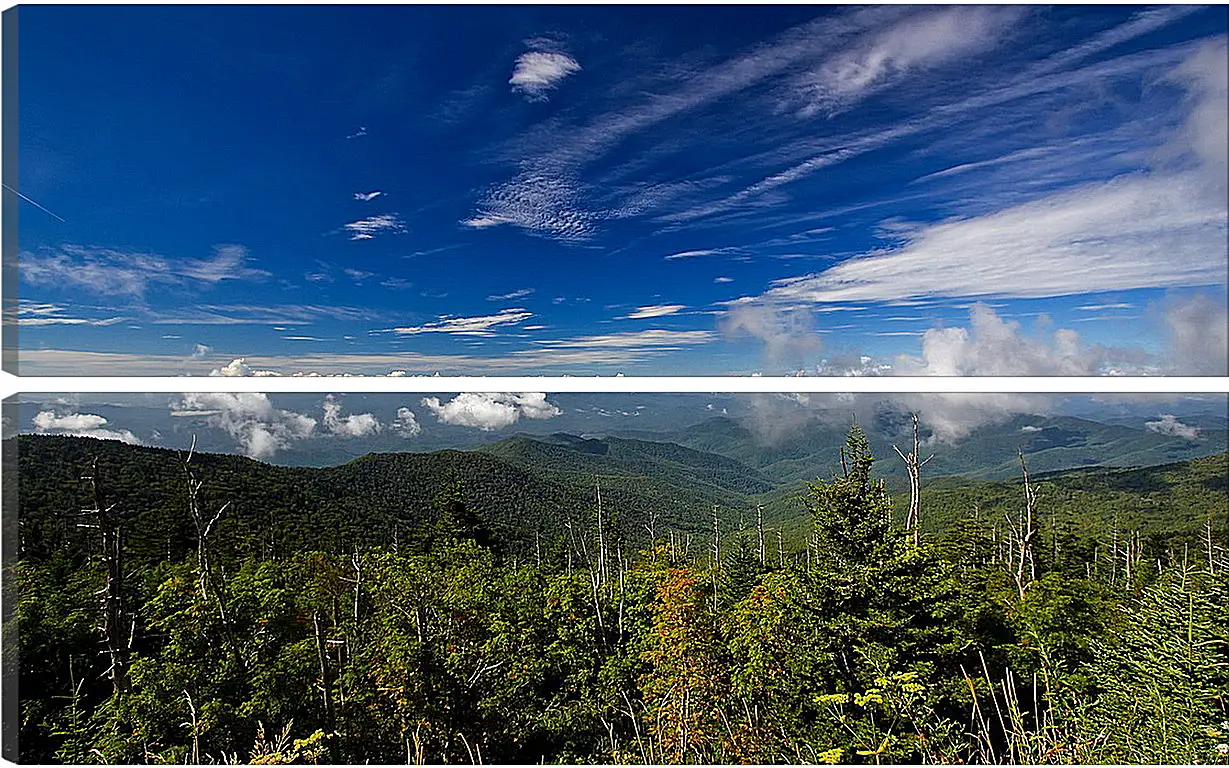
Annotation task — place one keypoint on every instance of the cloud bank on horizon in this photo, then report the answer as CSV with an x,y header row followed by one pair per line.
x,y
660,190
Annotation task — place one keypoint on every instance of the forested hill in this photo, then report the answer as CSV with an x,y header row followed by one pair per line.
x,y
476,607
520,489
528,491
803,450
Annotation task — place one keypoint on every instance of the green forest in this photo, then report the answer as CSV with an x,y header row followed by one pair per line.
x,y
172,607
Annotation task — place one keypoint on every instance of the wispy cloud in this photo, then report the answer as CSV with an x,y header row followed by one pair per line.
x,y
469,326
368,228
541,203
367,197
654,310
539,71
517,294
655,338
31,313
693,254
123,273
1101,307
924,40
246,314
1134,232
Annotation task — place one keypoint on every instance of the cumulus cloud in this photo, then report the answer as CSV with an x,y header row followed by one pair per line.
x,y
469,326
354,425
239,367
80,425
491,410
258,428
366,229
121,273
1198,336
992,346
406,424
1169,425
788,333
655,310
537,72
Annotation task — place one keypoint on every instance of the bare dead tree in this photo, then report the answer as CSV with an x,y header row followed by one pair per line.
x,y
1211,561
651,528
1027,531
118,628
716,553
759,531
780,548
205,524
601,539
326,683
913,467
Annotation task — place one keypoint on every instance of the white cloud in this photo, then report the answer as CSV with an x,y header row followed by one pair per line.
x,y
538,72
368,228
1134,232
918,41
654,337
517,294
367,196
31,313
469,326
492,410
259,429
655,310
80,425
239,367
787,332
1206,131
541,202
992,346
485,221
723,279
111,272
1198,336
692,254
406,424
1169,425
354,425
201,350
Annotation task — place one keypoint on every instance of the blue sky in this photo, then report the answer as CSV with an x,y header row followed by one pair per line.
x,y
654,190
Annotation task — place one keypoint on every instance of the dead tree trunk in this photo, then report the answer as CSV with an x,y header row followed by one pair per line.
x,y
205,524
759,531
716,553
1027,531
601,541
913,467
117,627
326,685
